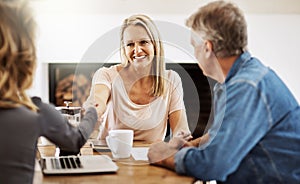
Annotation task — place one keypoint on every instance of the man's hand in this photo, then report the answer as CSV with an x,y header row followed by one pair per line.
x,y
197,142
162,153
185,135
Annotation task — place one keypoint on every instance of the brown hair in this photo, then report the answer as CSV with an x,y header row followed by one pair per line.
x,y
158,65
224,25
17,53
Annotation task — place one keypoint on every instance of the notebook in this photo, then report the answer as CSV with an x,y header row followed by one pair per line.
x,y
84,164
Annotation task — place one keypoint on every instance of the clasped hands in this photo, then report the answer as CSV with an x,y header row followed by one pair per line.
x,y
162,153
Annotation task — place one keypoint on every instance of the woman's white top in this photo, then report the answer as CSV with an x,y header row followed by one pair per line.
x,y
149,121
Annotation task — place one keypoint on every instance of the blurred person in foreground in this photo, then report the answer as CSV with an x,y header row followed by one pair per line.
x,y
255,134
24,120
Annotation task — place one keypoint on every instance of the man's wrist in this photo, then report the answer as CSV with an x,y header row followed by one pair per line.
x,y
169,162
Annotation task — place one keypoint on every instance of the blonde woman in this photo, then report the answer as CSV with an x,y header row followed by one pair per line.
x,y
139,94
23,119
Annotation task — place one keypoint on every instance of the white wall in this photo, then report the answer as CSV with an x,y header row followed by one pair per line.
x,y
273,38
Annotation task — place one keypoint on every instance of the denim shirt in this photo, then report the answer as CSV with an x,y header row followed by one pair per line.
x,y
255,134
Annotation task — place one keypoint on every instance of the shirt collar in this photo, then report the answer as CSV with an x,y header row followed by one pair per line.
x,y
238,64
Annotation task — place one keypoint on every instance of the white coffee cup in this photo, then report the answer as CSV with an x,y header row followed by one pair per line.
x,y
120,142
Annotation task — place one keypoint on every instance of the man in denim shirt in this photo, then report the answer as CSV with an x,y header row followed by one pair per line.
x,y
255,134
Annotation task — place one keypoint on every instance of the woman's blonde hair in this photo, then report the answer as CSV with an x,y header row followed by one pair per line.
x,y
224,25
158,64
17,53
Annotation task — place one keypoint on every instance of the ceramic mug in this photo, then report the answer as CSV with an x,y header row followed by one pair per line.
x,y
120,142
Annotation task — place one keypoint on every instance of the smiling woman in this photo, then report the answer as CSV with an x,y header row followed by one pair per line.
x,y
139,94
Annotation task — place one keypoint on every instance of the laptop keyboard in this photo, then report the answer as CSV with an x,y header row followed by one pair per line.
x,y
66,163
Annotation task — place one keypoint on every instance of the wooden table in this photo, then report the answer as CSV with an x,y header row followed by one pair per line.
x,y
130,171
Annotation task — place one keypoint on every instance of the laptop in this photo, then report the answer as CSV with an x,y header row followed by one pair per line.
x,y
84,164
